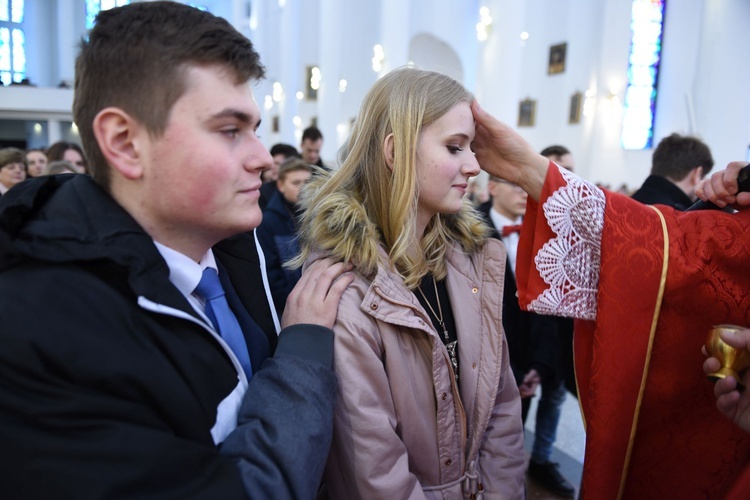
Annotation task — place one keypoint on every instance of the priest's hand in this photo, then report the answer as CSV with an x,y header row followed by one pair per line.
x,y
732,403
315,297
502,152
721,188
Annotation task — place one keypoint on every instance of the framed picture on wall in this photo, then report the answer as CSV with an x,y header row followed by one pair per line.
x,y
557,58
526,113
311,91
576,103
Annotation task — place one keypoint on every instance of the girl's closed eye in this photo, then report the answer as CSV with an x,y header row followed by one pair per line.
x,y
455,149
231,132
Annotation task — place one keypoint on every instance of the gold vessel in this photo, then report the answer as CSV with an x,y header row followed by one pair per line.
x,y
733,361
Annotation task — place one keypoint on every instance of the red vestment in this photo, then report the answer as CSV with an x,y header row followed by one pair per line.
x,y
649,285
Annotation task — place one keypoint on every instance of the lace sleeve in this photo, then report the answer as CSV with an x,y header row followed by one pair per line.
x,y
570,262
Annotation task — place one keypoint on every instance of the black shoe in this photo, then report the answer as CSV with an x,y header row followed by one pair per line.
x,y
547,475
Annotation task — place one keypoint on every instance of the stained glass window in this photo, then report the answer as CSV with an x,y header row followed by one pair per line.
x,y
643,70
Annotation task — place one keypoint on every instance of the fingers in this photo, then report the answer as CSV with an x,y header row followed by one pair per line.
x,y
527,390
316,296
705,191
325,279
743,199
727,395
480,115
721,188
739,339
711,365
725,386
727,403
338,287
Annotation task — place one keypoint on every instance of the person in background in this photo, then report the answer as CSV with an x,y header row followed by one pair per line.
x,y
646,283
12,168
677,165
476,193
280,153
534,342
427,403
68,151
278,231
562,156
312,143
36,161
158,368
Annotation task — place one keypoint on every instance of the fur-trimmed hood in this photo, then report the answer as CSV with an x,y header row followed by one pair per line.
x,y
340,226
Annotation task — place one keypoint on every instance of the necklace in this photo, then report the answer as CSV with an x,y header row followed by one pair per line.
x,y
449,346
439,318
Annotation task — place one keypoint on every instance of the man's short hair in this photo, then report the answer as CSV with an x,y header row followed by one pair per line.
x,y
677,155
136,58
293,165
287,150
555,150
311,134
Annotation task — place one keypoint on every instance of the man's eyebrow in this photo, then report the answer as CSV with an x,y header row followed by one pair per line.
x,y
234,113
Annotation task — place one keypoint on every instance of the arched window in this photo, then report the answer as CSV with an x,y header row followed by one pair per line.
x,y
12,42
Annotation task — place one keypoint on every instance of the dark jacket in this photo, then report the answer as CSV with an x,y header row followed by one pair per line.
x,y
267,190
532,338
657,190
278,238
112,386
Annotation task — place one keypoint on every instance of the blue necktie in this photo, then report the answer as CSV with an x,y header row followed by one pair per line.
x,y
217,310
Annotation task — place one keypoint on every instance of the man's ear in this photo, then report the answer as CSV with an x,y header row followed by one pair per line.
x,y
119,135
388,151
696,175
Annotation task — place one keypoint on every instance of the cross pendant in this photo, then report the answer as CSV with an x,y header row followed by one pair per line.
x,y
451,348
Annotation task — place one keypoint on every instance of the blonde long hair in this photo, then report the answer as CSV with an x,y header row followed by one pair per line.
x,y
347,214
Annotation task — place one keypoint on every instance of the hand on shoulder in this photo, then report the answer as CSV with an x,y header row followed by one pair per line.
x,y
315,298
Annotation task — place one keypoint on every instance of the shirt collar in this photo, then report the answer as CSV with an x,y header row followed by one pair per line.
x,y
184,272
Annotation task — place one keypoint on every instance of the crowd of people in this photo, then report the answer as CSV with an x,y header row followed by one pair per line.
x,y
16,165
225,321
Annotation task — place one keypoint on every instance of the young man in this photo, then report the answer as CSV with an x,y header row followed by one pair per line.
x,y
280,152
278,231
647,283
312,143
677,165
125,358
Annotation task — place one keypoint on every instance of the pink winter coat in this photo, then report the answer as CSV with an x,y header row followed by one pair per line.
x,y
403,428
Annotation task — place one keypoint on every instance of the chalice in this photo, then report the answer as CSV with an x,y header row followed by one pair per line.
x,y
733,361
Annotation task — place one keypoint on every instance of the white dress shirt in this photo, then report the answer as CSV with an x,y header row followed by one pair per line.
x,y
511,241
185,274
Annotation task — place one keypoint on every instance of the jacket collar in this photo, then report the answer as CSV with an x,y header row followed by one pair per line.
x,y
69,219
